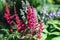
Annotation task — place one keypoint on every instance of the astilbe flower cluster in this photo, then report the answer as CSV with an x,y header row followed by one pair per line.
x,y
31,20
40,29
10,18
18,22
7,15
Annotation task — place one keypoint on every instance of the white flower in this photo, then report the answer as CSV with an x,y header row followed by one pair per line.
x,y
27,3
54,13
22,13
58,13
23,5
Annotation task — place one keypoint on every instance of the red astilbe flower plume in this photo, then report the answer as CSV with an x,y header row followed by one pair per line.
x,y
40,30
19,23
31,18
7,15
40,27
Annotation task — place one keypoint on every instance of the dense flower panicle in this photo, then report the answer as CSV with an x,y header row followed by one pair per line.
x,y
40,27
19,23
9,19
31,18
7,15
40,30
35,13
7,9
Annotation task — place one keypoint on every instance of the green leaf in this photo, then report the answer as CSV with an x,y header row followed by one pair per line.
x,y
1,4
45,31
10,36
3,1
56,38
43,36
54,22
4,31
54,33
16,34
25,37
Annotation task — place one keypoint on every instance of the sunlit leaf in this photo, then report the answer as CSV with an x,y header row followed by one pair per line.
x,y
56,38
